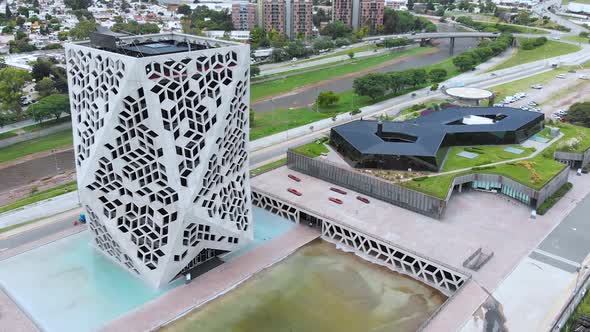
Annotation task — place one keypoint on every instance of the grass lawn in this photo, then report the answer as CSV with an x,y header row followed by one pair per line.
x,y
268,167
53,141
487,154
549,50
578,39
39,196
265,89
534,172
313,149
269,123
580,134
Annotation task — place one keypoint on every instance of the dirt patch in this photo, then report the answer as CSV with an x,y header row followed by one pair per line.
x,y
45,183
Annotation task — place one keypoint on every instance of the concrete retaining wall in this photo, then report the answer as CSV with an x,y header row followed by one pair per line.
x,y
35,134
540,195
369,185
573,159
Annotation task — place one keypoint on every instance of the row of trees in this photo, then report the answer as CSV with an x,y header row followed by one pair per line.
x,y
396,42
376,85
486,50
397,21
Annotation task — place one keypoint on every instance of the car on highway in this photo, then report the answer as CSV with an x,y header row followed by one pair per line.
x,y
556,38
537,86
562,76
584,77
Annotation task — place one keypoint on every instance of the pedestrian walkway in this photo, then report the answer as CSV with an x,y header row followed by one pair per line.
x,y
212,284
40,210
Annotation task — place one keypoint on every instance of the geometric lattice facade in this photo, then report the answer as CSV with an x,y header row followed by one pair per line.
x,y
161,145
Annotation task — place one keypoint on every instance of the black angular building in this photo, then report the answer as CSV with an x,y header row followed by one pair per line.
x,y
422,143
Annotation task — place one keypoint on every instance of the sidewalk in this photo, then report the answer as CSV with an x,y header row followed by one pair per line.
x,y
40,210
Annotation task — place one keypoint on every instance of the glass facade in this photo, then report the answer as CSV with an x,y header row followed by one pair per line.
x,y
487,185
429,163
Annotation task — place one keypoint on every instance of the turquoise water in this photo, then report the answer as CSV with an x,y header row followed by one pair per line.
x,y
68,286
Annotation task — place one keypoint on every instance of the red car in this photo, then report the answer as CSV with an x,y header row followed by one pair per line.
x,y
336,200
294,192
338,190
294,178
363,199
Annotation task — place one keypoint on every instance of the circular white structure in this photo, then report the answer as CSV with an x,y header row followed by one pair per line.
x,y
469,93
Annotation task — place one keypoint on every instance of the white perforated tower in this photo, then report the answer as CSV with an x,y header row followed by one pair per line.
x,y
161,136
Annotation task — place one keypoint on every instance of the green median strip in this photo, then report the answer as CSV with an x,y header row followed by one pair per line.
x,y
40,196
11,227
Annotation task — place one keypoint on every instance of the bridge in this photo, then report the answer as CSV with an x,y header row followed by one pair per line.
x,y
424,36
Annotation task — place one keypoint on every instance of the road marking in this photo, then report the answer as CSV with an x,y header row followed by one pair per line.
x,y
559,258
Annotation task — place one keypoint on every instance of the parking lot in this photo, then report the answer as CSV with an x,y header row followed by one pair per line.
x,y
555,97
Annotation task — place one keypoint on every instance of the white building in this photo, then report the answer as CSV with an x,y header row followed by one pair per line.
x,y
577,7
161,145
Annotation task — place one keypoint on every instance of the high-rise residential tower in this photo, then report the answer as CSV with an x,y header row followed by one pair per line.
x,y
359,13
243,15
161,136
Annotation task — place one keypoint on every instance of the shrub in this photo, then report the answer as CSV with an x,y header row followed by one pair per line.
x,y
553,199
421,178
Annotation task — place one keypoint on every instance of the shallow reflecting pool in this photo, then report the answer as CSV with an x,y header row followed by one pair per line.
x,y
67,286
318,288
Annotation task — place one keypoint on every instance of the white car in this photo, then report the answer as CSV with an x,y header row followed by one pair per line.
x,y
537,86
556,38
524,108
294,59
498,105
560,76
584,77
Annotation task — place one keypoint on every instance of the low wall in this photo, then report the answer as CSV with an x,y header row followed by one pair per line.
x,y
573,159
35,134
368,185
540,195
371,247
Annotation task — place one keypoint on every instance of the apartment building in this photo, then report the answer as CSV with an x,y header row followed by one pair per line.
x,y
243,16
359,13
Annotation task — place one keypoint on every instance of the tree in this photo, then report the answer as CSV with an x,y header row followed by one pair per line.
x,y
327,98
337,29
579,113
372,85
350,54
184,9
135,28
78,4
49,107
62,35
437,75
12,82
83,29
322,43
295,49
254,71
464,62
45,87
41,68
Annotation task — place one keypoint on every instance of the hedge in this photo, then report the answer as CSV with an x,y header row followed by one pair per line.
x,y
551,200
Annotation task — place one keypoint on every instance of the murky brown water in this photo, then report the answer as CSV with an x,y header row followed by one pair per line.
x,y
318,288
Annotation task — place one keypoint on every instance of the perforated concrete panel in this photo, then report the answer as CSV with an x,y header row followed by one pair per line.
x,y
161,153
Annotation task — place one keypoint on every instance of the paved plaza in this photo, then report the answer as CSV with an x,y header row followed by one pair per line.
x,y
472,220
